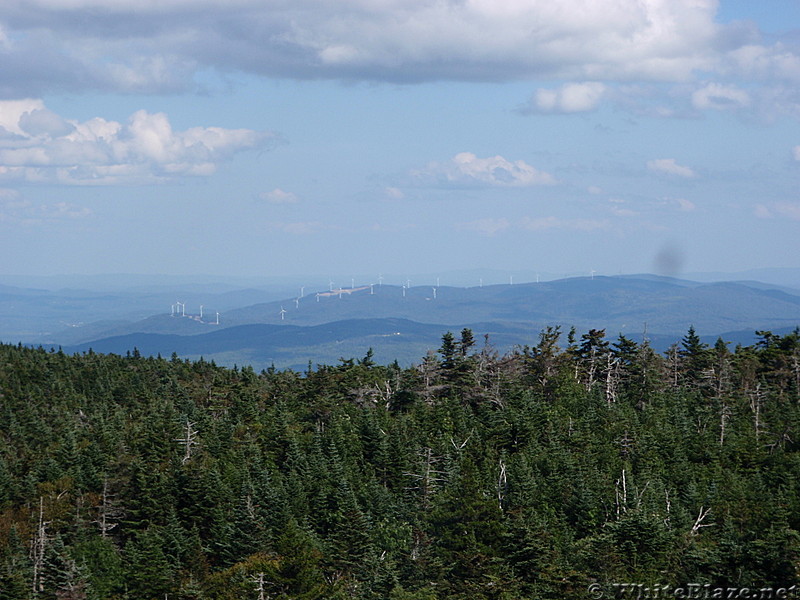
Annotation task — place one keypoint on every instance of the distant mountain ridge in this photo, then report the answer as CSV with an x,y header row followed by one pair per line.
x,y
405,323
661,305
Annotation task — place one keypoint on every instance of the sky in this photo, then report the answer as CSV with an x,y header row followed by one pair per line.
x,y
271,138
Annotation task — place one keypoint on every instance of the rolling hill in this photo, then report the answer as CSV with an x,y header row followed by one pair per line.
x,y
404,324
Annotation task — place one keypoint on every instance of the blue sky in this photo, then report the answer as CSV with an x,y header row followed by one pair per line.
x,y
272,138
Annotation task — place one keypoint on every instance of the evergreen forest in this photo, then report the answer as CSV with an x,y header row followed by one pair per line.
x,y
577,460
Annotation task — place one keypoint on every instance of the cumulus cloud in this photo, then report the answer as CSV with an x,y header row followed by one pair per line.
x,y
37,145
278,196
569,98
760,62
720,97
670,167
159,45
394,193
619,211
467,169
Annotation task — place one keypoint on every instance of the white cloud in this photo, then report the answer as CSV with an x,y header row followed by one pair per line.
x,y
796,152
165,42
685,205
622,212
758,62
762,212
157,46
394,193
40,146
719,97
278,196
17,210
466,169
788,210
670,167
569,98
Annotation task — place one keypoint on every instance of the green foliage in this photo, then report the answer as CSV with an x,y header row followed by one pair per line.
x,y
472,475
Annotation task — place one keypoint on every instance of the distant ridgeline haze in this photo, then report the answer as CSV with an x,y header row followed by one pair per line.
x,y
265,328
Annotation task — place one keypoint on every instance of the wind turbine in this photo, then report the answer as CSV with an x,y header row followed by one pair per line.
x,y
592,272
510,280
283,312
302,290
330,285
480,282
317,296
352,283
404,291
297,302
437,282
172,310
217,318
201,312
371,291
380,280
434,293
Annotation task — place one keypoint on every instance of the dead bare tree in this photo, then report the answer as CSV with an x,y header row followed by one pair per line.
x,y
189,441
38,548
698,522
107,513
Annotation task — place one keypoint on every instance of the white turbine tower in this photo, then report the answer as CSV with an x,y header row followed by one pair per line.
x,y
172,310
592,272
283,312
434,293
380,280
330,284
201,312
297,302
371,290
302,290
352,283
317,296
217,318
404,291
510,280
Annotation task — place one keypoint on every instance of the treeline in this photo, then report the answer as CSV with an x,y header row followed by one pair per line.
x,y
473,475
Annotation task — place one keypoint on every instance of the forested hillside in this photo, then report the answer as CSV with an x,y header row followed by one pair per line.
x,y
473,475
